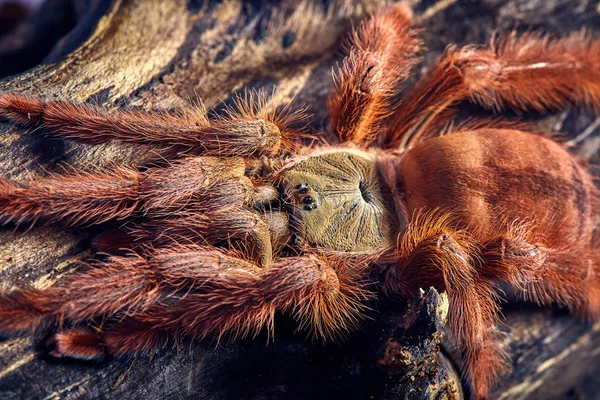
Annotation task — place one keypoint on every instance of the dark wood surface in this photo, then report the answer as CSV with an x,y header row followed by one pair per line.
x,y
154,54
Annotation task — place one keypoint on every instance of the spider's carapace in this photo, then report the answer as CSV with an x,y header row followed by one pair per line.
x,y
339,201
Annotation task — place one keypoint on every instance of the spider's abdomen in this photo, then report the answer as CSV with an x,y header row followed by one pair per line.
x,y
493,177
339,202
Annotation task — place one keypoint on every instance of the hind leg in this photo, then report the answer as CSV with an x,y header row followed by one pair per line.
x,y
567,277
527,72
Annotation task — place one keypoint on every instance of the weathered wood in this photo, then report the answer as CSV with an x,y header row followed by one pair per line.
x,y
411,356
154,54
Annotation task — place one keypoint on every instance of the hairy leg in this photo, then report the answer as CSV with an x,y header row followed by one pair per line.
x,y
245,133
121,284
201,199
233,225
208,293
569,277
382,52
77,198
104,289
84,198
432,253
524,72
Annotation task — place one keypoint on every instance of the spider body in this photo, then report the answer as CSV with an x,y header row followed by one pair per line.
x,y
489,175
346,189
485,177
236,228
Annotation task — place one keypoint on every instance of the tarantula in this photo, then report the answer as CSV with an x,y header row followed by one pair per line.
x,y
239,226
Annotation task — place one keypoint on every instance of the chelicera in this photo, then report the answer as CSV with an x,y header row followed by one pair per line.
x,y
241,225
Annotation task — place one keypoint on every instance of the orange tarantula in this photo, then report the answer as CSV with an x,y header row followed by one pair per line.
x,y
236,228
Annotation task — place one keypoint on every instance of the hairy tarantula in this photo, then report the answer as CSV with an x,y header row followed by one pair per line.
x,y
236,228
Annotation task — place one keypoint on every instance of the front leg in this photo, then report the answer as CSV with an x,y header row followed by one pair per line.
x,y
247,131
199,199
326,296
192,291
87,198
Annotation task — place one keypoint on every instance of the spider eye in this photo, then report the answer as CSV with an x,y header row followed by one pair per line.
x,y
302,189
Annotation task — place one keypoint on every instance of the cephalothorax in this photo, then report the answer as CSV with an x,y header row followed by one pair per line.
x,y
238,226
339,201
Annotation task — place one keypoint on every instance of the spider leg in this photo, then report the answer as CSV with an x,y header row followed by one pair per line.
x,y
106,288
326,300
83,198
233,222
216,294
76,199
382,53
524,72
568,277
246,133
432,253
201,198
121,284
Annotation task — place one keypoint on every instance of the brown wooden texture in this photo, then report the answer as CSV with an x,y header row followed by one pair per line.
x,y
154,54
